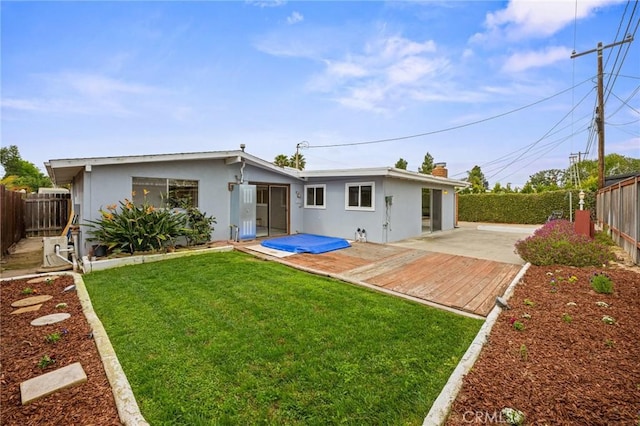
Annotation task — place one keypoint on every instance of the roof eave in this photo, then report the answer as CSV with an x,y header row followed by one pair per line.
x,y
76,165
384,172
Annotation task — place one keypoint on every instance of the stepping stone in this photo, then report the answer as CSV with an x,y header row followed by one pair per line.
x,y
34,300
43,279
48,383
50,319
26,309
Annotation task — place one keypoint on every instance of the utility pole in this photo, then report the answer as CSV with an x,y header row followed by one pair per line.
x,y
575,167
303,144
600,107
579,154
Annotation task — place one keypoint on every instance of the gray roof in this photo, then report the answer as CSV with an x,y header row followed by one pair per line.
x,y
62,171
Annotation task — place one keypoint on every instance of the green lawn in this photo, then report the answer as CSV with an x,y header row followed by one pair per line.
x,y
225,338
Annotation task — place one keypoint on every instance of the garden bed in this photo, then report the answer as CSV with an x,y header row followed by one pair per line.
x,y
24,348
567,365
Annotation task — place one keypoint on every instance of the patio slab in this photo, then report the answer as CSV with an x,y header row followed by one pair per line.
x,y
48,383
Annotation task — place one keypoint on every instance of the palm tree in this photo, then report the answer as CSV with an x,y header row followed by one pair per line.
x,y
281,160
298,164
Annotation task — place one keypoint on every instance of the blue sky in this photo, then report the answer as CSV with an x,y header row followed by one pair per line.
x,y
89,79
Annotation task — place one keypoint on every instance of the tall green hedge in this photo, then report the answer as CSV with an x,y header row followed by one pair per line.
x,y
520,208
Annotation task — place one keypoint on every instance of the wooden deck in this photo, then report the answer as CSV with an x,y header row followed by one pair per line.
x,y
462,283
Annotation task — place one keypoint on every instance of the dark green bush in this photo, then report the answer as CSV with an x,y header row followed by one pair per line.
x,y
520,208
557,243
199,226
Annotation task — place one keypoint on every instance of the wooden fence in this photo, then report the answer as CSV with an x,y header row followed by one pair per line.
x,y
618,209
12,206
46,214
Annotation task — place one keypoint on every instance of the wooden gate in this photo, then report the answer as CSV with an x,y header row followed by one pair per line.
x,y
46,214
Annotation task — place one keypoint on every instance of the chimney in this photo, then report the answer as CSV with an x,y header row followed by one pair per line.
x,y
440,170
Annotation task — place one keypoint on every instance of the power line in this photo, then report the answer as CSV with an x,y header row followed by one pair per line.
x,y
544,136
448,129
625,102
538,152
504,157
614,75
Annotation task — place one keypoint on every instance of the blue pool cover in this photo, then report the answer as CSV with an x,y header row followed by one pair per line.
x,y
306,243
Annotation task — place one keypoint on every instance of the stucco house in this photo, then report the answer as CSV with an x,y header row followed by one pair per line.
x,y
251,197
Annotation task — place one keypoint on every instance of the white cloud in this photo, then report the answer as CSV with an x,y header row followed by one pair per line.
x,y
52,105
522,61
345,69
99,86
536,19
399,47
629,147
413,69
266,3
294,18
387,72
82,93
367,98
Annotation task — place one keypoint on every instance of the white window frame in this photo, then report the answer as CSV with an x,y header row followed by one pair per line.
x,y
324,198
360,185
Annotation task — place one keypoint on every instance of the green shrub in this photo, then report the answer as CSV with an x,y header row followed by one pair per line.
x,y
557,243
199,226
603,238
601,283
53,337
134,228
519,207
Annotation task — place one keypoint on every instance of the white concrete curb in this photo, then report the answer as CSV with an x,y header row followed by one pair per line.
x,y
99,265
442,405
512,229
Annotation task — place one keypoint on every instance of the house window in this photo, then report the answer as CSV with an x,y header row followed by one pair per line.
x,y
163,192
262,195
314,196
360,196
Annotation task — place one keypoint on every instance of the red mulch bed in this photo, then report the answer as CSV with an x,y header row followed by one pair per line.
x,y
573,372
23,346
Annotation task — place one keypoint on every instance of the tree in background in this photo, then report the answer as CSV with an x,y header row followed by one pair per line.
x,y
527,188
301,161
587,170
21,174
497,188
427,165
281,160
401,164
479,184
547,180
